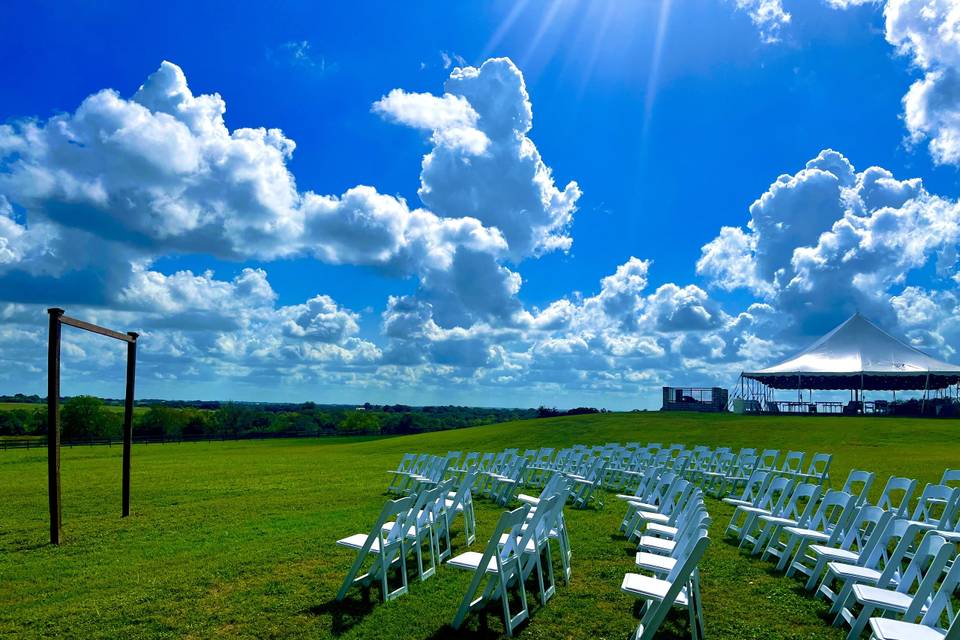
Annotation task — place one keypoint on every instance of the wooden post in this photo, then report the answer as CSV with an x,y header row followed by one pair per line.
x,y
53,424
128,418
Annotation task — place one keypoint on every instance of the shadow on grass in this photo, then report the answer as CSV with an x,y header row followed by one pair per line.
x,y
483,632
345,614
675,627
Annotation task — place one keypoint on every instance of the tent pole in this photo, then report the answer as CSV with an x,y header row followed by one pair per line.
x,y
863,406
926,387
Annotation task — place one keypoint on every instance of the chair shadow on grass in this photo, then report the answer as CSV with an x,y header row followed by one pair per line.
x,y
347,613
674,627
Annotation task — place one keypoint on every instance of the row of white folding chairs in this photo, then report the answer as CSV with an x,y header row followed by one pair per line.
x,y
415,471
521,544
671,532
841,538
405,526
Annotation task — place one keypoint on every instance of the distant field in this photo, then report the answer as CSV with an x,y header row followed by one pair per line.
x,y
31,406
235,539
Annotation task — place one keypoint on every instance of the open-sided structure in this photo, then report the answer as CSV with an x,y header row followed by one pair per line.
x,y
856,356
57,320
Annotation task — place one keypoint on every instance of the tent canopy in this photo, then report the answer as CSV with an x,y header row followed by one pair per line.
x,y
859,355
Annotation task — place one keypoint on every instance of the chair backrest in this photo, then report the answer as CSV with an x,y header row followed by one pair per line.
x,y
486,462
896,495
436,502
406,462
858,483
866,529
397,510
756,485
932,555
832,514
936,505
819,465
792,462
537,527
940,612
768,459
802,502
471,459
950,477
509,523
679,577
925,571
661,487
466,485
777,494
900,534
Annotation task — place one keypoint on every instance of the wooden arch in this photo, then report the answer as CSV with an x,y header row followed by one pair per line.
x,y
57,319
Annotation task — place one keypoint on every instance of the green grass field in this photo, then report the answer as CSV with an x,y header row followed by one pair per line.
x,y
235,539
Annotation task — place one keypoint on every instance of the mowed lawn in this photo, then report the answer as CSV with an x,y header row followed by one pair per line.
x,y
235,539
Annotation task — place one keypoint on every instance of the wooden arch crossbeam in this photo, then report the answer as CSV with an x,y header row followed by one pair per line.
x,y
57,320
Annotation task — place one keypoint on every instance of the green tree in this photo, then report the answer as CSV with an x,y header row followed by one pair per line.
x,y
83,417
360,422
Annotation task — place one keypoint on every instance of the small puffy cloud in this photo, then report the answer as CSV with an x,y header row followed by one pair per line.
x,y
451,118
320,319
768,16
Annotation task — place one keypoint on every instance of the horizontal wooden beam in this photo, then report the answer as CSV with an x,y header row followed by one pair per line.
x,y
110,333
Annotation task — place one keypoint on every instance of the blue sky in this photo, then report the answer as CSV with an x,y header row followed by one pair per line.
x,y
504,284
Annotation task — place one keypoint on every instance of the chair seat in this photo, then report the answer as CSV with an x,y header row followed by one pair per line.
x,y
757,510
658,544
449,504
887,629
643,506
662,530
358,540
650,588
531,543
655,562
528,499
882,598
470,560
810,534
737,502
844,570
835,554
787,522
653,516
623,496
411,532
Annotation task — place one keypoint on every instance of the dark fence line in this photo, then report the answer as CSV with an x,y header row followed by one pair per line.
x,y
41,442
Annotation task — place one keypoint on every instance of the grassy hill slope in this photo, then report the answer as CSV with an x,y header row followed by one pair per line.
x,y
235,539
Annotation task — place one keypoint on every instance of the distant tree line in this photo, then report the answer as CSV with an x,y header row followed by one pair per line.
x,y
85,417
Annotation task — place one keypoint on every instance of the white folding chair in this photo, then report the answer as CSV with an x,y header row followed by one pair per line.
x,y
680,588
865,531
878,567
912,593
826,526
388,548
461,502
896,495
501,563
939,622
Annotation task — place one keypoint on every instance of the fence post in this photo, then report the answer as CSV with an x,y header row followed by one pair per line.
x,y
53,424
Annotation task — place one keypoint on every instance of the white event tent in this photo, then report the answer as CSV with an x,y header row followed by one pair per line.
x,y
859,355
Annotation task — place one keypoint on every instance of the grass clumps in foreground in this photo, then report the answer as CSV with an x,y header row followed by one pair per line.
x,y
235,539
